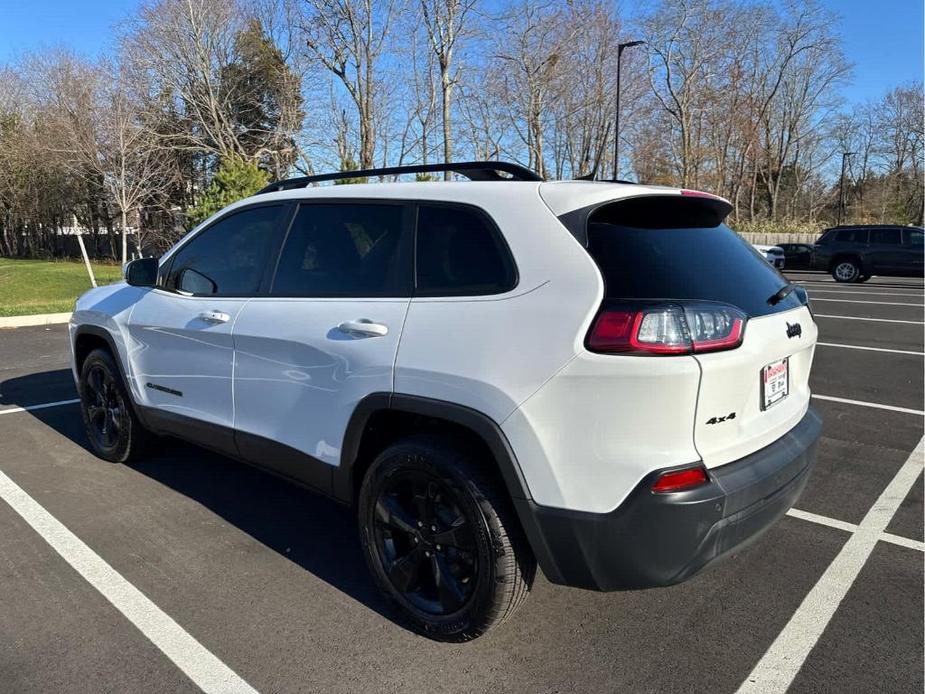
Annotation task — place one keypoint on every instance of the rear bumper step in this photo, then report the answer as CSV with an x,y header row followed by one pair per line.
x,y
661,539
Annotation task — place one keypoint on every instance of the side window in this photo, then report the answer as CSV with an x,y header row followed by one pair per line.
x,y
229,257
888,236
345,250
914,237
460,252
852,235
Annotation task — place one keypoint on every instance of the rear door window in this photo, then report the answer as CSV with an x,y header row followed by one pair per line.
x,y
892,237
914,237
852,235
460,252
346,250
670,261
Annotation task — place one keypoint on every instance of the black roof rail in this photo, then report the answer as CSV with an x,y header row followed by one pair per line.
x,y
473,170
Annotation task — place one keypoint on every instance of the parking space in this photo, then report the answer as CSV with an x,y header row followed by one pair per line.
x,y
270,582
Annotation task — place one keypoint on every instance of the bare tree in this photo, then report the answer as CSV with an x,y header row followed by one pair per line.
x,y
445,23
348,38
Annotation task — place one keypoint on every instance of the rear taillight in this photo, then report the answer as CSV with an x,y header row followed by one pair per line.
x,y
679,480
676,328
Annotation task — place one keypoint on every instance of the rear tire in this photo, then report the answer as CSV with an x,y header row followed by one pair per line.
x,y
114,431
441,540
846,271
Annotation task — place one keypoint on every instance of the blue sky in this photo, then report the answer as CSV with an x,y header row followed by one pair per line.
x,y
883,38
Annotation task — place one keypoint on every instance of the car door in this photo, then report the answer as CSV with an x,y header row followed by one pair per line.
x,y
324,336
885,253
181,351
913,257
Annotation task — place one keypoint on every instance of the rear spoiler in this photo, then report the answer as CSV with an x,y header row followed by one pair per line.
x,y
690,209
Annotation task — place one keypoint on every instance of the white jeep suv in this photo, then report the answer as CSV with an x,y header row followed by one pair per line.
x,y
598,378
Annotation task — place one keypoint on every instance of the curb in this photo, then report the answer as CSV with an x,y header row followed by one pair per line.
x,y
38,319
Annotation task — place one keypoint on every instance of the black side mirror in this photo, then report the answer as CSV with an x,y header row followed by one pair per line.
x,y
142,272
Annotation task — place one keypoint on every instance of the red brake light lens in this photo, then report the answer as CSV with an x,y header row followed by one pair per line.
x,y
681,328
679,480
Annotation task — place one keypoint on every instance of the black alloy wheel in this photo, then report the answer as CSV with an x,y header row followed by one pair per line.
x,y
441,539
425,542
105,408
114,431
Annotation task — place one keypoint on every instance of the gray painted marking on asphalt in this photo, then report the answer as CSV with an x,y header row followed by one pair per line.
x,y
855,301
851,527
871,349
782,661
205,670
875,320
42,406
864,403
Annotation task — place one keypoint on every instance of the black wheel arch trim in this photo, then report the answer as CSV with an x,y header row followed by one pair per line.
x,y
480,424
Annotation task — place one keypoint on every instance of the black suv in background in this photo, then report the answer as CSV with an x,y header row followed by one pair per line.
x,y
855,253
798,256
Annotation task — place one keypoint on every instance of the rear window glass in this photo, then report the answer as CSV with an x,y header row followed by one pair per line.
x,y
891,236
683,263
852,235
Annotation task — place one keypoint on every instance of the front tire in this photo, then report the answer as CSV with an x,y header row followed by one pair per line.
x,y
441,541
846,271
114,431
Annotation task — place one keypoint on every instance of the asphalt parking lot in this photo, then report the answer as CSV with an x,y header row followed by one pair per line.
x,y
208,574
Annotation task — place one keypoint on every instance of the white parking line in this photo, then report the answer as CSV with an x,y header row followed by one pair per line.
x,y
205,670
851,527
29,408
871,349
780,664
875,320
822,520
864,291
855,301
863,403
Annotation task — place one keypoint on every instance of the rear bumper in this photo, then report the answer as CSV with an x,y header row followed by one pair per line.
x,y
661,539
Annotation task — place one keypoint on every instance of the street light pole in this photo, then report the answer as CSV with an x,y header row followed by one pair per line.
x,y
616,127
841,188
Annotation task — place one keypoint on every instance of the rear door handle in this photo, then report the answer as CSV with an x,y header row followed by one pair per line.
x,y
363,327
215,316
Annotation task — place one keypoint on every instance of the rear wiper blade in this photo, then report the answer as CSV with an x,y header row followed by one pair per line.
x,y
781,294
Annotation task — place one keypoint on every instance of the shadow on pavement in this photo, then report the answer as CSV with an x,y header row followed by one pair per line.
x,y
308,529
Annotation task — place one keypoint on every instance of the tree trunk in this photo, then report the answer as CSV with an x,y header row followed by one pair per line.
x,y
124,236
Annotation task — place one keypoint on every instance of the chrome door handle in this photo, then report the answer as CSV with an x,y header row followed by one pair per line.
x,y
363,327
215,316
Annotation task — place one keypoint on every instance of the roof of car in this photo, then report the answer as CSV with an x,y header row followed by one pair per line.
x,y
560,196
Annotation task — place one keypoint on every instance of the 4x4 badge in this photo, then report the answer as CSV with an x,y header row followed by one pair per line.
x,y
794,330
717,420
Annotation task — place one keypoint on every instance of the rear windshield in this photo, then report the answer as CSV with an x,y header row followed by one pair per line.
x,y
705,263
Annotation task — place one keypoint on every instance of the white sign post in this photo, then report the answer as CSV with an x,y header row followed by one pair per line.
x,y
83,252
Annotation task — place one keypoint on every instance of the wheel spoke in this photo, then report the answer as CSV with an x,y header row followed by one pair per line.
x,y
94,382
108,428
116,419
403,572
94,412
390,512
424,501
448,589
457,535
